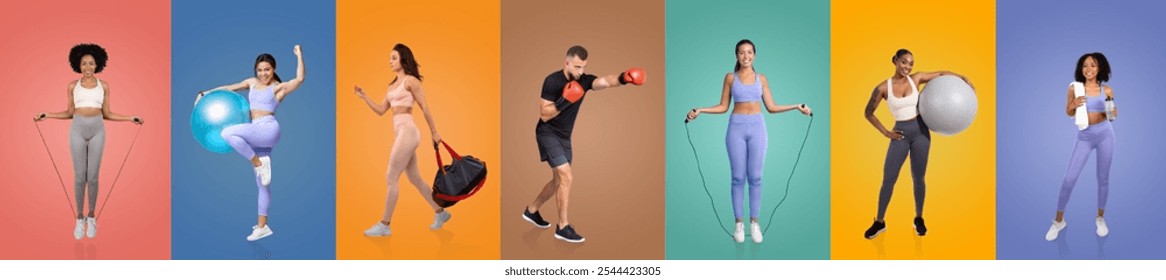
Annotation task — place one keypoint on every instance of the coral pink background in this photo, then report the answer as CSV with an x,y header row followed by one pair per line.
x,y
36,220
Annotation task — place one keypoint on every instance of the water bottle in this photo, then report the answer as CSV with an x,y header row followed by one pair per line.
x,y
1109,108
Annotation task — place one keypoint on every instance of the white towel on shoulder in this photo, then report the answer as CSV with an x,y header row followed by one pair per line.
x,y
1081,118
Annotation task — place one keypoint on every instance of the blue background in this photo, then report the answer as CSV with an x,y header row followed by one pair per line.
x,y
214,195
1039,43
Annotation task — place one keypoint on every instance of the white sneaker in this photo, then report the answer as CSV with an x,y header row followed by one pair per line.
x,y
1054,230
739,233
1102,229
264,170
91,232
79,230
755,232
380,229
439,219
259,232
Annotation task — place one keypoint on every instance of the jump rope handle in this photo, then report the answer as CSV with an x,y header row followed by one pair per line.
x,y
686,117
804,106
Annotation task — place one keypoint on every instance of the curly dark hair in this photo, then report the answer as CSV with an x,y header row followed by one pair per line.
x,y
1103,70
81,50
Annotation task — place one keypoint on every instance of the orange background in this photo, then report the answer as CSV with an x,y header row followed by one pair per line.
x,y
457,46
960,208
37,38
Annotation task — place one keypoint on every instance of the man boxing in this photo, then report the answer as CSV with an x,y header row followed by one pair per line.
x,y
563,92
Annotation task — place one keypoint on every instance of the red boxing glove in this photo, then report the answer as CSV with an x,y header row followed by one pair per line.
x,y
572,92
635,76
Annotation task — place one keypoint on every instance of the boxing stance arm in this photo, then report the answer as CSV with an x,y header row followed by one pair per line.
x,y
290,86
604,82
109,114
767,97
924,77
547,110
68,112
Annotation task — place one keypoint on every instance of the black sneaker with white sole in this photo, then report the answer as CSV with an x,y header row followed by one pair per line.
x,y
568,234
534,218
875,229
920,228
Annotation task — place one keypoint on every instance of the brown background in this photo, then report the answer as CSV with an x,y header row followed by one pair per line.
x,y
617,199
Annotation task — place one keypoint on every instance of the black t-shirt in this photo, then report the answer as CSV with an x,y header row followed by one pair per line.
x,y
564,123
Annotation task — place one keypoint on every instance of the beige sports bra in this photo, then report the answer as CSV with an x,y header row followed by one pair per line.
x,y
400,96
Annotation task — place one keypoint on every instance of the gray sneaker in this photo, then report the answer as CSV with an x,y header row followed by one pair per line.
x,y
439,219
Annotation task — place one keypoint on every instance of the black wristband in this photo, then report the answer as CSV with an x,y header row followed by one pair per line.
x,y
561,104
621,78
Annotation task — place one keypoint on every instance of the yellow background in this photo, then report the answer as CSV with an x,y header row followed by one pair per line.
x,y
960,211
458,48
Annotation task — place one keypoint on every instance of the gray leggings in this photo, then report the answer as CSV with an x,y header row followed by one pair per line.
x,y
86,142
916,143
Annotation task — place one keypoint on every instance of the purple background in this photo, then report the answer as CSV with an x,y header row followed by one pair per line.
x,y
1038,43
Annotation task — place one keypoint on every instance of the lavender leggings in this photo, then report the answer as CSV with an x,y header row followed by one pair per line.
x,y
746,140
1098,136
251,140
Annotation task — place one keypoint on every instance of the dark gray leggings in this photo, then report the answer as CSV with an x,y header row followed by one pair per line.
x,y
916,143
86,142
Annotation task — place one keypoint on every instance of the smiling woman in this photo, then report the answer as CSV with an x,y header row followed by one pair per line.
x,y
255,140
747,137
1088,96
910,136
88,107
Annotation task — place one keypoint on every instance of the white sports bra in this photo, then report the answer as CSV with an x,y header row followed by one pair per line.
x,y
903,108
88,97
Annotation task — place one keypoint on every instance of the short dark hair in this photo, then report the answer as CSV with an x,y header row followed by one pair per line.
x,y
577,51
81,50
1102,67
900,53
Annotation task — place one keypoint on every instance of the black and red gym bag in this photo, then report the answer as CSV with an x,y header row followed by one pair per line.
x,y
459,180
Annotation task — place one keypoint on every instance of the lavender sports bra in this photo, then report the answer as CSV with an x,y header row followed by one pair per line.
x,y
263,99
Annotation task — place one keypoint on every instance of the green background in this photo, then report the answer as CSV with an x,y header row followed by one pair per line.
x,y
793,50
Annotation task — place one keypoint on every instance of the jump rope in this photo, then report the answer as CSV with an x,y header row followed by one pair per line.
x,y
712,203
60,179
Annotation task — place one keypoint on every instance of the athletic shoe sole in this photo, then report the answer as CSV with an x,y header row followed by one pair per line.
x,y
876,234
524,217
559,237
261,236
917,233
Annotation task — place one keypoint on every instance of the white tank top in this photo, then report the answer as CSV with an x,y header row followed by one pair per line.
x,y
903,108
88,97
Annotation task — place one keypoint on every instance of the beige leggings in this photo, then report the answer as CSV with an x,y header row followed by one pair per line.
x,y
404,159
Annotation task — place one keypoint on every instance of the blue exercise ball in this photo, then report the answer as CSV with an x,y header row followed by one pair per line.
x,y
213,112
